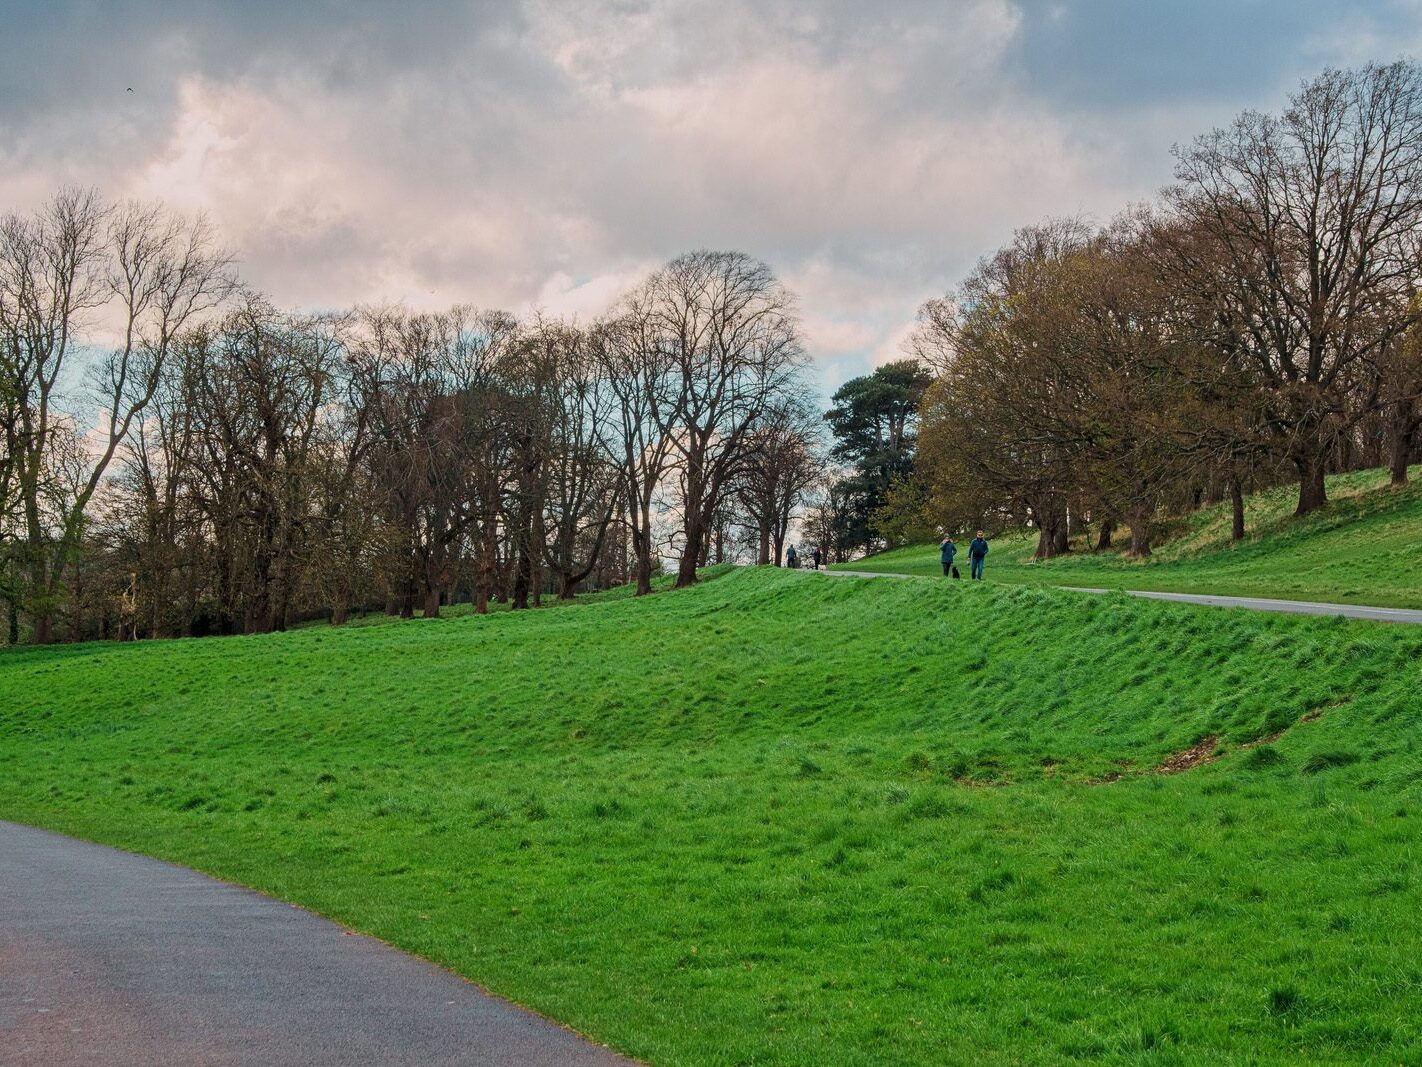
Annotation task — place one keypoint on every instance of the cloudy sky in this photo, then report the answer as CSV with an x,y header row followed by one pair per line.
x,y
546,154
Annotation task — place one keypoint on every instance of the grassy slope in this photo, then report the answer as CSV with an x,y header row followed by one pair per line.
x,y
465,609
1366,548
751,822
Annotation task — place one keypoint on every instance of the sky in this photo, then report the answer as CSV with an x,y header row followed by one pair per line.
x,y
529,154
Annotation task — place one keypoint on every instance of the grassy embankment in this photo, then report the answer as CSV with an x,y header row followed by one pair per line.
x,y
783,819
1365,548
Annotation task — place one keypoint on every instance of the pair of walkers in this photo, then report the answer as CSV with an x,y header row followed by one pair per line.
x,y
792,558
977,556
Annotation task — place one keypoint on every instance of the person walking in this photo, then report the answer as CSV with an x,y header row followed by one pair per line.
x,y
815,555
977,555
792,558
946,551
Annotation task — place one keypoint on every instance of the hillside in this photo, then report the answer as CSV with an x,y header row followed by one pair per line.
x,y
1365,548
780,819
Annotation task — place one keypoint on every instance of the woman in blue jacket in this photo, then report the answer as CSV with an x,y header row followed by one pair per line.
x,y
946,551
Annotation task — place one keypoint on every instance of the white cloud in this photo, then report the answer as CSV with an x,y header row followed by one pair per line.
x,y
893,347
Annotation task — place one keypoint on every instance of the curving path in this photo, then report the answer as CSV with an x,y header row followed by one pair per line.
x,y
1252,603
116,959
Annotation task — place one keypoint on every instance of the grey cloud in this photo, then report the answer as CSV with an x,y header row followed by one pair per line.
x,y
363,149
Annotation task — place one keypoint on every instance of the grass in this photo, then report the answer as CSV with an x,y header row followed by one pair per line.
x,y
465,609
1364,548
783,819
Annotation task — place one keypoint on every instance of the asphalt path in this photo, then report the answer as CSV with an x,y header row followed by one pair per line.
x,y
113,959
1252,603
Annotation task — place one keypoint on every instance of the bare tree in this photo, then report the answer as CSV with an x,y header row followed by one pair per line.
x,y
1313,213
1402,396
582,488
632,365
996,437
825,518
73,257
730,345
783,463
154,521
441,443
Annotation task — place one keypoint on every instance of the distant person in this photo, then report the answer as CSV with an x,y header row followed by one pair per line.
x,y
815,556
792,558
977,555
946,552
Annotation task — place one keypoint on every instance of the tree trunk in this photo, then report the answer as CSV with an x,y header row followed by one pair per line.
x,y
1048,528
538,550
1345,453
1103,539
76,622
1236,503
696,544
686,567
1140,533
431,602
42,615
340,613
566,585
644,573
1312,494
762,556
1404,430
523,580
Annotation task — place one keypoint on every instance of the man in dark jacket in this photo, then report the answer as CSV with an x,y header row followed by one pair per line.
x,y
946,551
977,555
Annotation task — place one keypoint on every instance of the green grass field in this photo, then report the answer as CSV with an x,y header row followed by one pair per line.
x,y
784,819
1365,548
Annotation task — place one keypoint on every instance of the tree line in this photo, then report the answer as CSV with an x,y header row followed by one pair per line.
x,y
221,465
1256,323
226,466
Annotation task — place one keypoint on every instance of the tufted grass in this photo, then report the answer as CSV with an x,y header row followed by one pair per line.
x,y
778,819
1364,548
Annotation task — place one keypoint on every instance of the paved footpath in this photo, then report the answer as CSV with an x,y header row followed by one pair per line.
x,y
107,958
1253,603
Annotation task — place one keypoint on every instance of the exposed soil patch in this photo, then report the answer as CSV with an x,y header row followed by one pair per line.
x,y
1316,713
1197,755
1207,749
1112,776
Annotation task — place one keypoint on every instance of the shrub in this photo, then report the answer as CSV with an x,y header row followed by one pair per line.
x,y
1322,761
1283,1000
